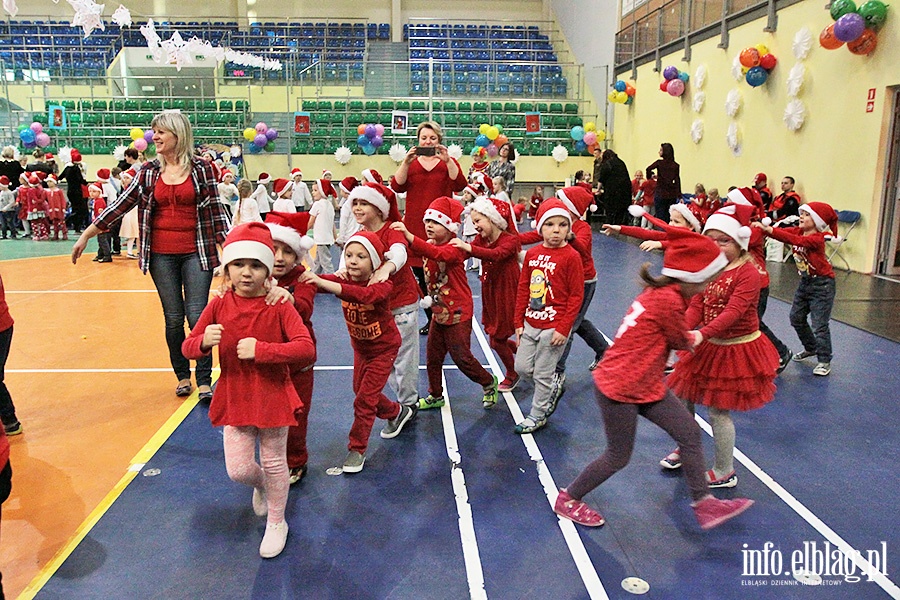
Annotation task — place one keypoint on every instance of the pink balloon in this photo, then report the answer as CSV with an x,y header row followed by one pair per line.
x,y
590,138
140,144
675,87
42,140
37,127
261,127
492,150
379,129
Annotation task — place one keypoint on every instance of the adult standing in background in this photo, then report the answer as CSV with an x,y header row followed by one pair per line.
x,y
613,176
503,167
426,173
11,167
130,159
73,173
181,221
668,181
787,203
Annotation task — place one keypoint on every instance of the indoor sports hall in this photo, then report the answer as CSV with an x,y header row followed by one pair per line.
x,y
119,487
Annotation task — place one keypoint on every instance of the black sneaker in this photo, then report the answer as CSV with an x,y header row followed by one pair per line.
x,y
14,428
424,329
803,355
784,360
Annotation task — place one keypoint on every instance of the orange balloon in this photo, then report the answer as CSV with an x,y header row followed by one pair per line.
x,y
501,139
361,129
827,39
629,89
864,44
749,57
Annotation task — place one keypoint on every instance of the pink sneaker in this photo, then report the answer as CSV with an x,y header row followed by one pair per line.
x,y
576,510
508,384
712,512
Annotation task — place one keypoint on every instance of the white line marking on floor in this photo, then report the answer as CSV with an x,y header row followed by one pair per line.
x,y
583,562
807,515
169,369
471,556
81,291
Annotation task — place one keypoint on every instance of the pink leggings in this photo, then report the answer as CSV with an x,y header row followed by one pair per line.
x,y
240,461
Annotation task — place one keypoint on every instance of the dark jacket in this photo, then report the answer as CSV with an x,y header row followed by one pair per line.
x,y
613,175
668,181
12,169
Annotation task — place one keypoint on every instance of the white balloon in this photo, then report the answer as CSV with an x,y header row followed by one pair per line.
x,y
697,131
794,114
733,102
733,137
795,80
698,101
803,41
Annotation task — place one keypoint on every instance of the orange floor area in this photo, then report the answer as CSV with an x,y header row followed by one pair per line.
x,y
82,429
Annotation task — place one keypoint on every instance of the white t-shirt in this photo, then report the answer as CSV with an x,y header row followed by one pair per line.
x,y
284,205
301,196
249,210
323,228
262,198
347,223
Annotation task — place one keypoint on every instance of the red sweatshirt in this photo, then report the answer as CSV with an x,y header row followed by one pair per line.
x,y
304,296
446,280
406,290
809,250
644,234
499,278
368,315
727,307
584,239
632,370
757,249
551,288
6,320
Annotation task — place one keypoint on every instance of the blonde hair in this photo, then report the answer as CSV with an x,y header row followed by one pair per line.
x,y
8,152
244,187
175,122
432,126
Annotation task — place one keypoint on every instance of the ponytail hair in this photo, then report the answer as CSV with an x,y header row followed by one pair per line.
x,y
655,282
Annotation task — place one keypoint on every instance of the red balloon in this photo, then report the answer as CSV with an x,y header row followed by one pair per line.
x,y
768,62
749,57
664,86
827,39
864,44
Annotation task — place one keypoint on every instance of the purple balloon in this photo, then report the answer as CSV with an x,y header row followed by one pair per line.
x,y
42,140
849,27
670,73
271,133
148,135
371,131
675,87
377,141
379,129
260,140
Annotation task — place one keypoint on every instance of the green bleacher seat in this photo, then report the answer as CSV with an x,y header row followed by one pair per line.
x,y
340,105
402,105
418,105
571,109
310,105
541,107
146,105
74,118
573,121
337,118
324,105
130,105
226,105
450,119
515,121
526,107
220,118
241,105
336,132
300,147
68,104
451,134
384,118
180,104
356,105
320,118
332,146
556,107
416,118
464,107
480,107
466,120
317,147
558,121
40,118
496,107
435,106
370,117
448,106
205,118
371,105
85,104
387,105
117,105
208,105
49,103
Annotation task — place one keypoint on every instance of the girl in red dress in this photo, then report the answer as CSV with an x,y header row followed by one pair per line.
x,y
735,366
255,398
498,250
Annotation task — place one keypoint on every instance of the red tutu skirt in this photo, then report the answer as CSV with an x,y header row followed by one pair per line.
x,y
736,376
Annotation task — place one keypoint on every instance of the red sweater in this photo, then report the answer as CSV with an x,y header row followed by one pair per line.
x,y
727,307
174,224
56,204
256,392
584,239
632,370
446,280
499,278
422,188
368,315
644,234
6,320
304,296
809,250
98,206
551,288
406,290
757,249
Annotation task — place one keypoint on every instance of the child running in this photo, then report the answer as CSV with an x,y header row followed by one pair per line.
x,y
375,340
548,299
254,398
498,250
680,216
450,300
247,210
629,382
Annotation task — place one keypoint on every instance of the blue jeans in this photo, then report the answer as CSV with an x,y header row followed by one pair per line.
x,y
814,298
585,330
183,288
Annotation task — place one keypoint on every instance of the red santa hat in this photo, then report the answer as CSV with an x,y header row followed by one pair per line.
x,y
249,240
378,195
290,229
371,242
263,178
577,199
4,180
690,257
685,212
445,211
282,186
552,207
103,175
222,176
372,176
734,221
93,186
52,177
33,179
497,211
325,173
41,175
296,172
347,184
75,155
760,178
325,188
748,197
486,182
475,189
48,156
822,215
130,172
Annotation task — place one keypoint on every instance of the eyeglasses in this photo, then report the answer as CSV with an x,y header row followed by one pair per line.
x,y
722,241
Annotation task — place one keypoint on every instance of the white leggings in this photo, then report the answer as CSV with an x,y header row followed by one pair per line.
x,y
240,461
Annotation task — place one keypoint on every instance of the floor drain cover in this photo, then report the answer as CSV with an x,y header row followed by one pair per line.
x,y
151,472
635,585
807,577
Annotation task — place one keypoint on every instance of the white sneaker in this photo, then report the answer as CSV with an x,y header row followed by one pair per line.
x,y
822,369
274,540
260,505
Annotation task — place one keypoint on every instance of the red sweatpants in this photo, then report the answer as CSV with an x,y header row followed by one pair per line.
x,y
506,350
297,456
457,340
370,374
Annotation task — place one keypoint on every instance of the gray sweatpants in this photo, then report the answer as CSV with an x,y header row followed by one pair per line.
x,y
404,377
322,264
536,360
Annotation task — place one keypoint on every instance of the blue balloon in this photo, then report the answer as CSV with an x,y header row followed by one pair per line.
x,y
362,140
580,146
682,75
620,86
27,136
756,76
577,132
369,149
482,140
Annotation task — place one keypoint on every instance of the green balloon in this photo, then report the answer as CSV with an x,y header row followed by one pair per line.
x,y
270,147
874,12
23,127
499,128
839,8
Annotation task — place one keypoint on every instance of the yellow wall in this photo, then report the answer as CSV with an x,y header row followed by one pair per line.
x,y
836,157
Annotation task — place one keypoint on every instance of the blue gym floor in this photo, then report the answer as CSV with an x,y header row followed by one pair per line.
x,y
457,506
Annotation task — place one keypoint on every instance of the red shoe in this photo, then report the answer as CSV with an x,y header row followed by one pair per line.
x,y
576,510
509,383
712,512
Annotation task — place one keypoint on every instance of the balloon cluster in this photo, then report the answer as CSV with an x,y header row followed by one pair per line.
x,y
33,136
370,137
756,63
675,81
262,137
622,92
854,26
491,138
140,139
587,137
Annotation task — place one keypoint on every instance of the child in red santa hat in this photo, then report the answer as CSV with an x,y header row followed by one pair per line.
x,y
321,223
56,208
254,399
498,249
375,340
284,199
130,229
814,297
629,382
734,367
98,205
300,191
450,300
8,208
228,194
261,195
36,210
347,224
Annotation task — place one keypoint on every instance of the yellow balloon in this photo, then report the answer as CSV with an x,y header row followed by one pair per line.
x,y
762,49
484,128
621,97
590,126
136,133
613,96
249,134
744,70
601,135
492,133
